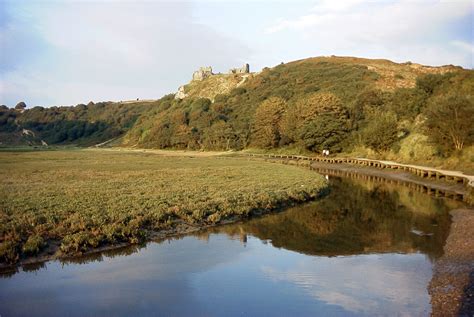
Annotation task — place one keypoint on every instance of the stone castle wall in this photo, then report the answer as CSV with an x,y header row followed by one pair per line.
x,y
240,70
202,73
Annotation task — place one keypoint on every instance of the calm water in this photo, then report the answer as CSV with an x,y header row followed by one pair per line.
x,y
366,249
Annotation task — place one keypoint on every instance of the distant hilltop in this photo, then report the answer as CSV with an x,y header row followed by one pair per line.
x,y
388,75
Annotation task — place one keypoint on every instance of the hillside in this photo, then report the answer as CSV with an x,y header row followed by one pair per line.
x,y
81,125
354,106
365,107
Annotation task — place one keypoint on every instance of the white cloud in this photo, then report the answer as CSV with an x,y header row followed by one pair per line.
x,y
336,6
107,51
66,52
380,27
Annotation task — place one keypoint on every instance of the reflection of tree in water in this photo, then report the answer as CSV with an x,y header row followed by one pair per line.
x,y
30,267
99,256
357,218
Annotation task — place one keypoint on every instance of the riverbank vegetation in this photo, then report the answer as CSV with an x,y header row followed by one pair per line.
x,y
83,199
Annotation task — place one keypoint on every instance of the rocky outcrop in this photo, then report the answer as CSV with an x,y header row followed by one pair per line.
x,y
181,94
27,132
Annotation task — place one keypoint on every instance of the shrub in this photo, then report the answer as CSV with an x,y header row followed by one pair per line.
x,y
33,245
381,131
449,121
267,122
9,252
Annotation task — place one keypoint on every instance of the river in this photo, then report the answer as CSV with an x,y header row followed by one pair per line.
x,y
367,248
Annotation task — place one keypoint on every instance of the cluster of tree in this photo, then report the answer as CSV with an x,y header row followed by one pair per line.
x,y
315,106
188,124
318,121
7,119
228,122
82,124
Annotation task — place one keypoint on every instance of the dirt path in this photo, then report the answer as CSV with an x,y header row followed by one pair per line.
x,y
452,285
170,152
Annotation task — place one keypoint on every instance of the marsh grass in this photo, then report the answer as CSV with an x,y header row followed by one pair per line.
x,y
88,198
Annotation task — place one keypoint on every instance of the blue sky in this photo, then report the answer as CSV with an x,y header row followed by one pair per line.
x,y
70,52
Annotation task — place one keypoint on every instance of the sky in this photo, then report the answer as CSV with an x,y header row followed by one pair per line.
x,y
66,52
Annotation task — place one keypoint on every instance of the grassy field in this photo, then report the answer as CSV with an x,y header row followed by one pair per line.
x,y
83,199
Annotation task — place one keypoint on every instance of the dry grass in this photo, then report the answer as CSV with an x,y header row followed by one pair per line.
x,y
214,85
391,75
89,198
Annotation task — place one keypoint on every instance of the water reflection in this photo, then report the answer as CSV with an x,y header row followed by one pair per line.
x,y
391,284
365,249
357,217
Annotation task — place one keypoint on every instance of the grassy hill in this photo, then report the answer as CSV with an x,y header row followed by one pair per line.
x,y
81,125
352,106
365,107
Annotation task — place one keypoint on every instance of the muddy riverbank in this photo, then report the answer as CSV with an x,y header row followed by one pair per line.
x,y
452,285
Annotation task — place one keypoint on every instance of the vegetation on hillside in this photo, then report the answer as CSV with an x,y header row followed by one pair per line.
x,y
372,108
81,125
228,122
81,200
316,104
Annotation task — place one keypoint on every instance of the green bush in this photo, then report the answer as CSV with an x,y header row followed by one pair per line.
x,y
9,251
33,245
381,131
450,121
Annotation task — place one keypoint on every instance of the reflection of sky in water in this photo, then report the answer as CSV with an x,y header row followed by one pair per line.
x,y
222,277
365,284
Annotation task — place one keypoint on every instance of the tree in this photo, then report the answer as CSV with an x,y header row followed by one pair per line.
x,y
219,136
381,131
267,122
295,122
449,121
324,133
182,137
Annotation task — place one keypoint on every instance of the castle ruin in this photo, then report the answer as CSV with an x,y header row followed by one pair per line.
x,y
205,72
240,70
202,73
